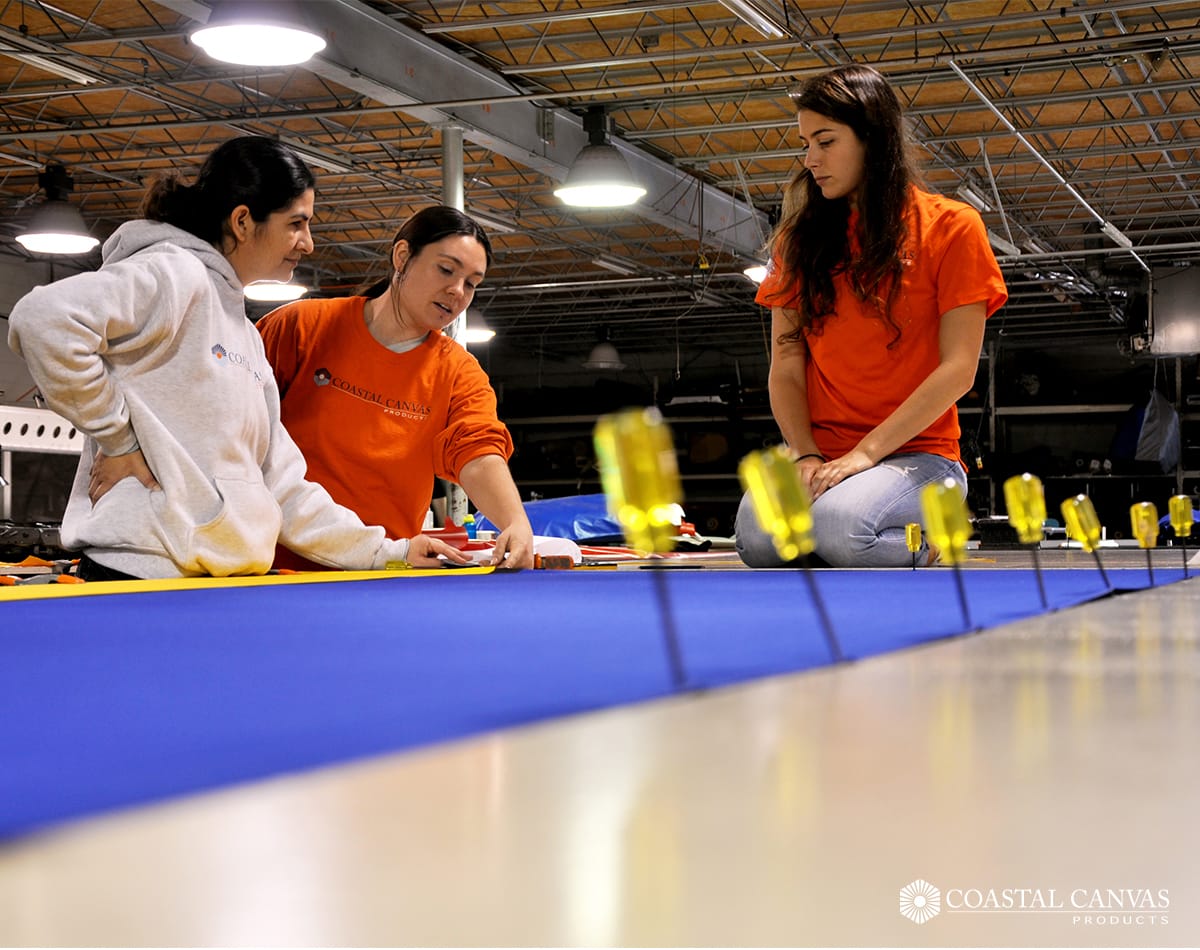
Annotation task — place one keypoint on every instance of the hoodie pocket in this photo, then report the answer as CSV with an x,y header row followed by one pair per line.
x,y
241,538
238,539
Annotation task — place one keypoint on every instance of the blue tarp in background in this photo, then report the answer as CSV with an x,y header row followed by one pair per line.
x,y
582,518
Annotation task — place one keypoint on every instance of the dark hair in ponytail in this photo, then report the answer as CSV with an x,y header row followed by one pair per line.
x,y
428,226
252,170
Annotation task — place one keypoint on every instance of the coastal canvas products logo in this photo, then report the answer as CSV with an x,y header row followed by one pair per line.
x,y
411,409
236,359
920,901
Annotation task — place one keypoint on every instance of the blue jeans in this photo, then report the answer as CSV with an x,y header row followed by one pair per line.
x,y
860,522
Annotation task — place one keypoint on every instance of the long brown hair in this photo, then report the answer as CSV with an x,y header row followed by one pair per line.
x,y
810,243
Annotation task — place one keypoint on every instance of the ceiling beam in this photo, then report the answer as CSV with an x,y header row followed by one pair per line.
x,y
397,66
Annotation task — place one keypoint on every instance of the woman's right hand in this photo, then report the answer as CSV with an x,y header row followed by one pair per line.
x,y
423,551
107,470
825,475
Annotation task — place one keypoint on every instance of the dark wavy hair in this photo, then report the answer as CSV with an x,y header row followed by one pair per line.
x,y
428,226
251,170
810,243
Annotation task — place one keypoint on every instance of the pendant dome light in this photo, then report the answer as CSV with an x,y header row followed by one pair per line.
x,y
756,272
600,176
57,227
257,34
476,329
604,356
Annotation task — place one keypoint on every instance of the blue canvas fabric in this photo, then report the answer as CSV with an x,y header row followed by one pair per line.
x,y
115,700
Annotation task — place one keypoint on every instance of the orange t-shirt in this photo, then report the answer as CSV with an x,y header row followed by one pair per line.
x,y
375,426
855,380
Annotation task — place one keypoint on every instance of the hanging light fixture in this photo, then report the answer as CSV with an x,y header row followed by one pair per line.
x,y
972,197
475,329
756,272
274,291
51,66
1004,246
600,176
616,264
257,34
753,16
604,355
469,327
57,227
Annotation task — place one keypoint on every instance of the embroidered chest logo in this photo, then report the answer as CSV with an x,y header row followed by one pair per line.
x,y
236,359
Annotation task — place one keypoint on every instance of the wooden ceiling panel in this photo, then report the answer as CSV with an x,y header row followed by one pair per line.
x,y
1104,91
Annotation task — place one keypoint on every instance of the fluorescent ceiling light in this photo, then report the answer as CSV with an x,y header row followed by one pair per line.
x,y
50,66
1006,248
756,272
615,265
1115,233
314,157
973,198
491,222
274,291
753,17
257,34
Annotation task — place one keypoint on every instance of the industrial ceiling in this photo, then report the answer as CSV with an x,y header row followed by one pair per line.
x,y
1075,127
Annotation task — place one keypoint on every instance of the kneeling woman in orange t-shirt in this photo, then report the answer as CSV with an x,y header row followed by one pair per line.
x,y
878,293
380,401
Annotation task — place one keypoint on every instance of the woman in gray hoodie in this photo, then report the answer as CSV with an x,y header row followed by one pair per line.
x,y
187,469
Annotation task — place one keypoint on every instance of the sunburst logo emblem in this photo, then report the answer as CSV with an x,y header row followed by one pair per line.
x,y
920,901
218,351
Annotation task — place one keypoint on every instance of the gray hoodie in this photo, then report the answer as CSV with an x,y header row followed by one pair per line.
x,y
154,351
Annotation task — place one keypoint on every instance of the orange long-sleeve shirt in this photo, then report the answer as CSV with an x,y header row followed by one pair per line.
x,y
376,426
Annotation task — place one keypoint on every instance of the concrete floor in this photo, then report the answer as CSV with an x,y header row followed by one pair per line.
x,y
1042,776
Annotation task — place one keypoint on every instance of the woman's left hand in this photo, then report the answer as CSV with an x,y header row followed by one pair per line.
x,y
837,471
514,547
